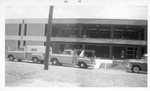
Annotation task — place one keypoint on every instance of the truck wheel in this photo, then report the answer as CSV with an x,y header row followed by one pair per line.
x,y
11,58
82,65
19,60
55,62
41,62
35,60
136,69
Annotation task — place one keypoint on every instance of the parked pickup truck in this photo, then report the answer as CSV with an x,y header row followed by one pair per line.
x,y
34,53
81,58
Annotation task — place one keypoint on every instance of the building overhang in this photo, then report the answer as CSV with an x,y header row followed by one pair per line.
x,y
79,40
79,21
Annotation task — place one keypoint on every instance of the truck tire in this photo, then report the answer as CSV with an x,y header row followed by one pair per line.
x,y
20,60
136,69
42,62
11,58
35,60
82,65
55,61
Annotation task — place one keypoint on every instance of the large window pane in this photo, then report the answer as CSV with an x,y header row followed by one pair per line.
x,y
95,31
104,31
65,30
129,32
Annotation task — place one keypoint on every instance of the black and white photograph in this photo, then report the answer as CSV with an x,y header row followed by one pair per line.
x,y
75,45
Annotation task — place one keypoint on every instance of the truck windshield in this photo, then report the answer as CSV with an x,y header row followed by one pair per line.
x,y
66,53
21,49
144,59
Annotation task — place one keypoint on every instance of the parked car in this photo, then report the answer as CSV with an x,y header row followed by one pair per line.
x,y
138,65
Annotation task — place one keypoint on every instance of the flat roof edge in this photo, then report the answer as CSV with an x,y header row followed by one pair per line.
x,y
80,20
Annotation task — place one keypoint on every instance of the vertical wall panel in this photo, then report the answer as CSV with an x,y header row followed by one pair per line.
x,y
34,43
35,29
12,44
11,29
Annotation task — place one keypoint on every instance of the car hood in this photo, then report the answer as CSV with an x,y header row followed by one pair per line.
x,y
135,61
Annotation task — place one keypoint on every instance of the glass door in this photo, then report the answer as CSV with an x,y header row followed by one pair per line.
x,y
132,52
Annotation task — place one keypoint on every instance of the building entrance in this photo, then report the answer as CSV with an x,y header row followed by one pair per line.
x,y
118,52
125,52
131,52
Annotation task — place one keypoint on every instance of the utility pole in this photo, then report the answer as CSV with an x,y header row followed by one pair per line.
x,y
48,39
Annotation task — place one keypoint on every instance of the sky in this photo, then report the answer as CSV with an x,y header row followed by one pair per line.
x,y
108,12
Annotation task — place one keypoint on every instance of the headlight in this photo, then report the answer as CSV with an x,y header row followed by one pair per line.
x,y
130,65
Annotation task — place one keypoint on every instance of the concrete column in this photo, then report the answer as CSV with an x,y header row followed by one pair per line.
x,y
139,35
59,32
111,45
145,33
139,52
83,46
112,32
79,30
125,52
111,51
22,33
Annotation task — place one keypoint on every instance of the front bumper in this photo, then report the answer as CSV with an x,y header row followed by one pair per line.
x,y
91,65
128,68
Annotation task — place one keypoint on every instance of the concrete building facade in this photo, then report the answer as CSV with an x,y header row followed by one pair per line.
x,y
110,38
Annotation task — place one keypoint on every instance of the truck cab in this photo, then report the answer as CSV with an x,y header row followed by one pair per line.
x,y
19,54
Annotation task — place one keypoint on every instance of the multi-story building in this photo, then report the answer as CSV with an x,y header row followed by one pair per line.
x,y
110,38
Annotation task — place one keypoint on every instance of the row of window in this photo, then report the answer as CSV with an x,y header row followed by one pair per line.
x,y
103,51
80,30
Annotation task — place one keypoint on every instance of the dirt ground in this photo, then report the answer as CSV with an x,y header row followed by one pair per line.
x,y
26,74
